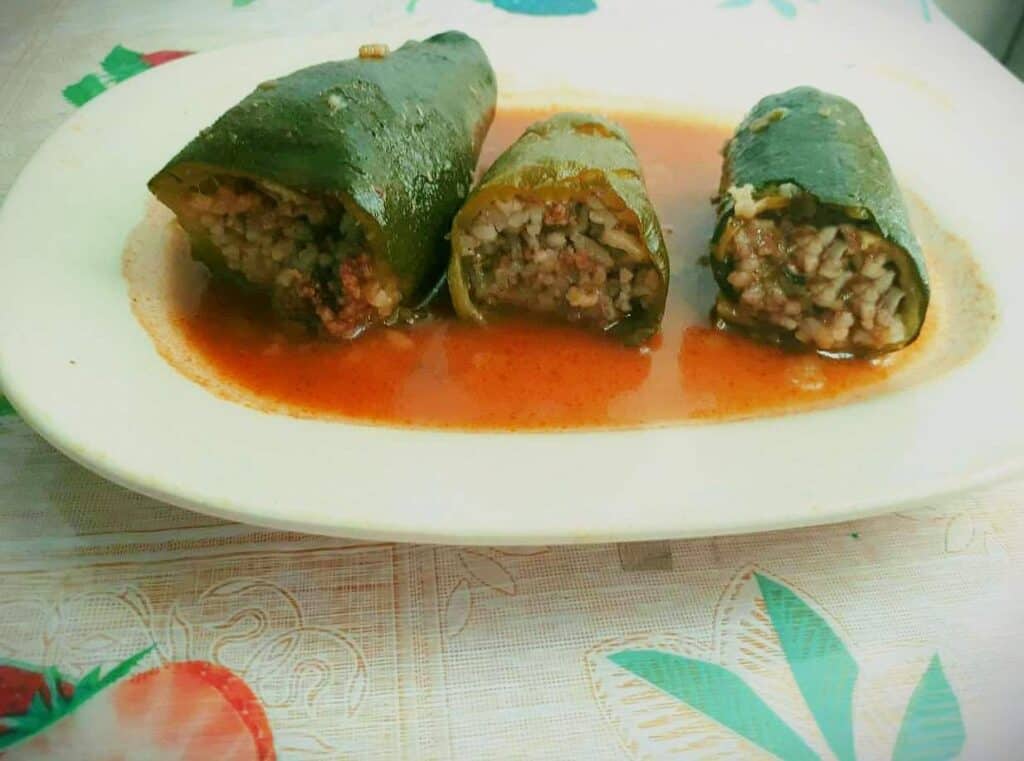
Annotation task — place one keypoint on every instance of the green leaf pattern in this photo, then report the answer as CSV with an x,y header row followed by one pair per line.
x,y
825,672
121,63
823,668
720,695
932,729
41,714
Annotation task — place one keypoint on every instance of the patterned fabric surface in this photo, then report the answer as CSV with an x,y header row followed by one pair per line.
x,y
890,638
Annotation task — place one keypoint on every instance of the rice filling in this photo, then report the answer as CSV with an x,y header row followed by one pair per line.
x,y
309,252
816,273
576,260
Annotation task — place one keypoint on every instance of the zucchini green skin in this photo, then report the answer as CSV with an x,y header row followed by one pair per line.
x,y
557,159
396,139
822,143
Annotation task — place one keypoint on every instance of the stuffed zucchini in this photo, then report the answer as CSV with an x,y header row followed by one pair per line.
x,y
332,188
561,226
813,248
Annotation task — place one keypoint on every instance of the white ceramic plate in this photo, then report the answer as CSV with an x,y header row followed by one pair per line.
x,y
80,369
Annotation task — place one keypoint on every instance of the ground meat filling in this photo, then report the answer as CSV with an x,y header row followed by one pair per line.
x,y
833,286
309,252
574,260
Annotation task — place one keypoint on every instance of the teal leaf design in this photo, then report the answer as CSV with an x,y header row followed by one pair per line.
x,y
823,669
718,694
786,8
533,7
926,10
932,728
547,7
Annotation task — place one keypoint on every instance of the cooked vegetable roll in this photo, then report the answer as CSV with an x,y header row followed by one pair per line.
x,y
333,188
813,248
561,226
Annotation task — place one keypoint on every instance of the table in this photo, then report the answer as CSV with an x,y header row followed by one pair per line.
x,y
894,637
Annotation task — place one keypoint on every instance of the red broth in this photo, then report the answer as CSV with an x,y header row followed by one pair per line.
x,y
520,374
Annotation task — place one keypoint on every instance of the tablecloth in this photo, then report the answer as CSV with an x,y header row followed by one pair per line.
x,y
895,637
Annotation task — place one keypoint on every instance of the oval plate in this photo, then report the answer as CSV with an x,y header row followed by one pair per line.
x,y
80,369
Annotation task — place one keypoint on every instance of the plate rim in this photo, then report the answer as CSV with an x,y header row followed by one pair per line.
x,y
79,452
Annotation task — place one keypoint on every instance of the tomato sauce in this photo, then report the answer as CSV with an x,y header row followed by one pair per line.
x,y
519,374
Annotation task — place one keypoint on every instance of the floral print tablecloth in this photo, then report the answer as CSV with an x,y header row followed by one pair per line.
x,y
130,627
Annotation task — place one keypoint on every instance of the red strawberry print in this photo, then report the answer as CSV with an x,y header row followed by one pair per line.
x,y
163,56
188,711
17,688
20,683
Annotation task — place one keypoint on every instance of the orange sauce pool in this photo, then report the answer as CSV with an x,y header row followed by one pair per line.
x,y
524,375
